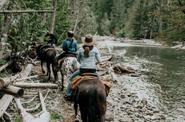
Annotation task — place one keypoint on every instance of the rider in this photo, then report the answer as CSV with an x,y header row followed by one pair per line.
x,y
50,39
88,57
51,42
69,46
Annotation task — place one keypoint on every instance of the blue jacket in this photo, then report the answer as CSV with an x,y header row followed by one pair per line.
x,y
89,62
70,45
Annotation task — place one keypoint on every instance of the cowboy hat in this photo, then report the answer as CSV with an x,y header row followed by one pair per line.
x,y
88,40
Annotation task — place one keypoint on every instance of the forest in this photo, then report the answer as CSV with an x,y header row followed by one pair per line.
x,y
138,79
162,20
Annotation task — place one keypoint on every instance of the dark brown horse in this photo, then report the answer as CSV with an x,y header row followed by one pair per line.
x,y
47,54
90,95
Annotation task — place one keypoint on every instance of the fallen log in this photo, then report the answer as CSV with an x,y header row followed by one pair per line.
x,y
123,70
25,78
36,85
106,58
4,66
4,103
6,81
2,83
27,117
45,116
25,11
6,99
13,90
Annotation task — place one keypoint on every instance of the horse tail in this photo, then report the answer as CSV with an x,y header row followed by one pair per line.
x,y
97,109
93,108
92,114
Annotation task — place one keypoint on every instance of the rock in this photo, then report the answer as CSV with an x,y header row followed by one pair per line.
x,y
123,69
149,113
126,118
109,117
122,96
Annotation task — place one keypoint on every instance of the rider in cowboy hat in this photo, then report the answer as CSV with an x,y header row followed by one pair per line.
x,y
88,56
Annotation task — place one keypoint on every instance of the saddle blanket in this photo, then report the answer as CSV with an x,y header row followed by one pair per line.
x,y
78,79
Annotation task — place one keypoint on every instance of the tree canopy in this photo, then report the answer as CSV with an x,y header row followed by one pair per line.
x,y
136,19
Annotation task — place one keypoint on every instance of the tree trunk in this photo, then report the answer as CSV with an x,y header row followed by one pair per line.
x,y
5,27
53,16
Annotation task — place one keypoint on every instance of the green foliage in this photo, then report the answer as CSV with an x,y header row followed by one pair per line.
x,y
18,118
142,19
55,116
2,61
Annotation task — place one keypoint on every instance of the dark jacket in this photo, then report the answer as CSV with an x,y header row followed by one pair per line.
x,y
69,45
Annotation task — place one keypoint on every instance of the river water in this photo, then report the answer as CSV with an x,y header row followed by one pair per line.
x,y
163,71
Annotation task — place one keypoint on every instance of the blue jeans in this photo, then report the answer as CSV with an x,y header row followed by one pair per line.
x,y
69,80
76,73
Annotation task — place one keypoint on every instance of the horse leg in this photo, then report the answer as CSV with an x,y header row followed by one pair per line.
x,y
83,114
54,69
76,108
42,67
48,71
62,81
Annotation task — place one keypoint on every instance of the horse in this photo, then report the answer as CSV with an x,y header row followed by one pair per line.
x,y
47,54
66,66
90,95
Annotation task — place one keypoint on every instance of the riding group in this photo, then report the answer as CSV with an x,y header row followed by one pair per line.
x,y
85,88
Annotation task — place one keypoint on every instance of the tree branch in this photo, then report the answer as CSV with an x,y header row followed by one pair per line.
x,y
26,11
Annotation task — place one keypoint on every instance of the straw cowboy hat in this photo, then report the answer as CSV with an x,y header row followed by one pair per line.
x,y
88,40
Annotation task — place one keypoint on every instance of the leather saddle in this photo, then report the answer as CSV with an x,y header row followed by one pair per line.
x,y
82,77
90,74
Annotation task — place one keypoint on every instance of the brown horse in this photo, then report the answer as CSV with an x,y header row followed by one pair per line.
x,y
47,54
90,95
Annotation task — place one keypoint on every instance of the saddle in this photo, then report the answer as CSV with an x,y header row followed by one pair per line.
x,y
41,49
82,77
87,76
70,55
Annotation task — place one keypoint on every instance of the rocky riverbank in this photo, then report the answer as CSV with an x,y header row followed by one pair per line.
x,y
128,100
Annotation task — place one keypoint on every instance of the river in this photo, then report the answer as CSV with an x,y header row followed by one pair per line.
x,y
163,77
